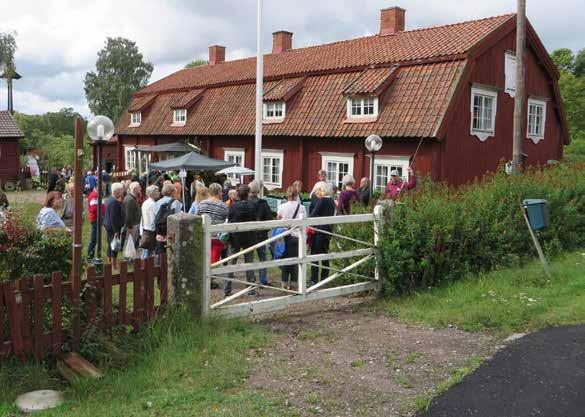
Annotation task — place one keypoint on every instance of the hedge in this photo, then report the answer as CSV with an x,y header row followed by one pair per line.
x,y
440,234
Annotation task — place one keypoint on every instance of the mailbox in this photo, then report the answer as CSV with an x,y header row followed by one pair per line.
x,y
537,212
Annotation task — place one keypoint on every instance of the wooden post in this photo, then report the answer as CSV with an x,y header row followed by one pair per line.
x,y
77,227
520,86
303,267
536,244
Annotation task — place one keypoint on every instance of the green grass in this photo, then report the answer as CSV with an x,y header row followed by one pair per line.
x,y
508,300
176,368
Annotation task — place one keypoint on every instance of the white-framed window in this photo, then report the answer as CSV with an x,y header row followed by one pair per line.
x,y
536,119
272,167
384,165
135,118
274,110
129,158
510,73
179,117
362,107
484,103
337,165
237,156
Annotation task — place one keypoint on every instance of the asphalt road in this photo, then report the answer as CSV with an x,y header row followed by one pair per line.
x,y
541,374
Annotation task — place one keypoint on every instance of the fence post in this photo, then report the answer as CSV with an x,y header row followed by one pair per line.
x,y
187,259
378,211
303,267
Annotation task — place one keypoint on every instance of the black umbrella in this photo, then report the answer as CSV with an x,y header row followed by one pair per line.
x,y
171,147
191,161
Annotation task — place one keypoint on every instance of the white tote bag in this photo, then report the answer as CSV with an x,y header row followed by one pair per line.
x,y
129,248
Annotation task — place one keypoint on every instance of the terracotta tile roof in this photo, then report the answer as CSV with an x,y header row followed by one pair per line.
x,y
8,127
284,90
413,105
141,103
372,81
423,44
188,99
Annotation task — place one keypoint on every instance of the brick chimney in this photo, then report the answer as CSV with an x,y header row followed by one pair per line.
x,y
281,41
392,20
216,54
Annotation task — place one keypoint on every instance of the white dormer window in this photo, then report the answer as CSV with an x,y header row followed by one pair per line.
x,y
536,119
274,110
484,103
510,73
179,117
135,118
362,107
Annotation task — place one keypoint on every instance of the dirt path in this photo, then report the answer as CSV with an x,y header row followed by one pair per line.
x,y
344,358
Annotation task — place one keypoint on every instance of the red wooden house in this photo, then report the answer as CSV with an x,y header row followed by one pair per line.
x,y
10,134
448,88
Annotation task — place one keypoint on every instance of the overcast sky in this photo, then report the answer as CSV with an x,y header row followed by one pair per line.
x,y
58,40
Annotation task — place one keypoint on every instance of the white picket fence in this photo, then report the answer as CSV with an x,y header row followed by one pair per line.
x,y
220,270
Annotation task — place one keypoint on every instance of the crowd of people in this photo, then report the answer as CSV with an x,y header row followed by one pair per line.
x,y
138,212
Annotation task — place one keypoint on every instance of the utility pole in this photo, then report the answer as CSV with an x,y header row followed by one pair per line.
x,y
259,101
520,86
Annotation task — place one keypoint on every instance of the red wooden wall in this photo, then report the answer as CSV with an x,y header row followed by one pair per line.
x,y
465,156
9,159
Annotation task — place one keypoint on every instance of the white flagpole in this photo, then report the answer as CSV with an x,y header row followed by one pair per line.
x,y
259,101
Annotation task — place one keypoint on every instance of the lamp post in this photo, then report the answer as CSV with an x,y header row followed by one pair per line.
x,y
373,144
100,129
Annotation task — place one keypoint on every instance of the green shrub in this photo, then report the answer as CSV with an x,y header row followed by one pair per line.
x,y
439,234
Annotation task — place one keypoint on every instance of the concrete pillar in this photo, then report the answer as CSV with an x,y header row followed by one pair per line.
x,y
186,262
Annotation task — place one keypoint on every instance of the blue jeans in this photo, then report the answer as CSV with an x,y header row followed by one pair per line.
x,y
261,251
92,242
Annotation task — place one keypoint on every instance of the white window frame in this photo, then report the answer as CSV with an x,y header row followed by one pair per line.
x,y
273,154
390,163
135,119
179,117
129,157
483,133
510,73
530,133
273,106
336,158
360,103
235,153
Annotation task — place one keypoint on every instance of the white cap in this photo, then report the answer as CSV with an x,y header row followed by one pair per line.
x,y
394,173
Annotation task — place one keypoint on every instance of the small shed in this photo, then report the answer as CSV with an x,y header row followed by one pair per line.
x,y
10,134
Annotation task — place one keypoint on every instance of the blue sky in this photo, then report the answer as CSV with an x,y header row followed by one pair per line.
x,y
58,40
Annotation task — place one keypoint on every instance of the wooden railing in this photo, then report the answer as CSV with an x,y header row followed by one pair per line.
x,y
38,315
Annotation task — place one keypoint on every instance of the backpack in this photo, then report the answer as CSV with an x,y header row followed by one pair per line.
x,y
160,222
278,247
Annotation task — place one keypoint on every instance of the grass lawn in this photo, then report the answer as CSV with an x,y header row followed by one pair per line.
x,y
510,300
176,368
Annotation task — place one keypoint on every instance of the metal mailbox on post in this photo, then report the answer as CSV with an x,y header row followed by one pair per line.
x,y
537,212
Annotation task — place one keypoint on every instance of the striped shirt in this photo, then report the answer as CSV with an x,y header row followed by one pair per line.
x,y
217,210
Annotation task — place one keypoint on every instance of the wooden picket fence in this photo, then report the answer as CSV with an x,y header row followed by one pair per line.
x,y
43,315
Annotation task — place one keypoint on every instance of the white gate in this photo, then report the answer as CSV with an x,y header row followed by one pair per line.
x,y
219,270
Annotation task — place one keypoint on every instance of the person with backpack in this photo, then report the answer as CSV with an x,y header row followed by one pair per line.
x,y
324,207
263,214
241,211
114,220
164,208
292,209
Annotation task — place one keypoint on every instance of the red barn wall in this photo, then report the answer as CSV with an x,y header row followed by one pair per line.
x,y
9,159
465,156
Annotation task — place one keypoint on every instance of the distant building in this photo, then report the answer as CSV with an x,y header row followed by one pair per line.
x,y
10,134
450,88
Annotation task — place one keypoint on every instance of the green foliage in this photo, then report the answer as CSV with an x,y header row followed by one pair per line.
x,y
508,300
564,59
439,235
7,50
120,71
25,251
196,63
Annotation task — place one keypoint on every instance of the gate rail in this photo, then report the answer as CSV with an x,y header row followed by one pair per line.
x,y
303,260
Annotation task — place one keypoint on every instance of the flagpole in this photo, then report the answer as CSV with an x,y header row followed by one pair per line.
x,y
259,103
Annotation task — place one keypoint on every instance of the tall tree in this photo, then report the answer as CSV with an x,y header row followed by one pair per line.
x,y
7,50
196,63
120,71
564,59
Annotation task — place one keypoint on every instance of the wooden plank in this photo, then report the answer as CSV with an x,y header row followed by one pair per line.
x,y
163,280
39,307
122,293
92,295
24,288
149,287
57,333
2,314
14,320
138,312
75,291
107,281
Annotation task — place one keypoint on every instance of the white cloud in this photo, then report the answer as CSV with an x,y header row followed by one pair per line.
x,y
58,40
